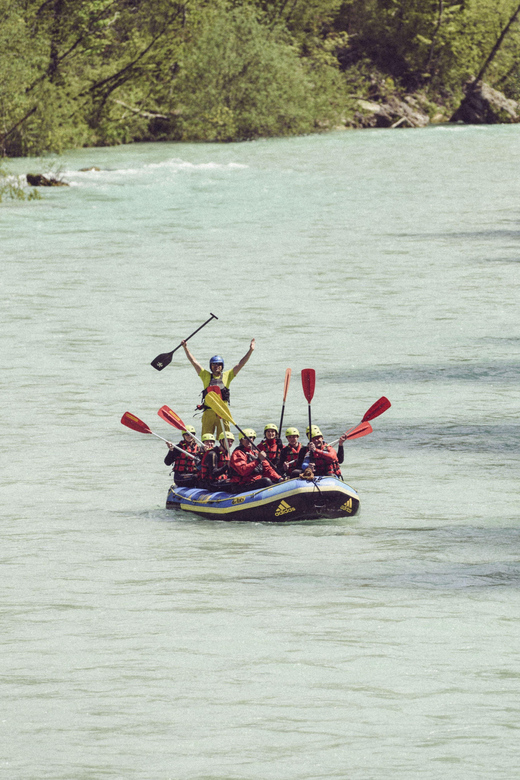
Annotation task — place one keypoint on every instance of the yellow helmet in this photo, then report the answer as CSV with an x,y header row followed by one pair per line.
x,y
208,437
189,429
315,431
271,427
248,433
292,432
225,434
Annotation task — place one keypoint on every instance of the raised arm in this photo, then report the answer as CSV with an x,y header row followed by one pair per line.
x,y
196,365
246,357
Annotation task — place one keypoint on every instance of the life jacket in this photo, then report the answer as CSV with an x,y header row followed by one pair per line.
x,y
243,466
273,449
289,455
325,467
212,460
182,463
215,386
207,464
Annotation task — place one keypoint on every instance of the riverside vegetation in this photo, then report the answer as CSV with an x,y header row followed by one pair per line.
x,y
100,72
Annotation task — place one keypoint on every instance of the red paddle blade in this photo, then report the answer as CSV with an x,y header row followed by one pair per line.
x,y
363,429
133,422
376,409
288,372
167,414
308,383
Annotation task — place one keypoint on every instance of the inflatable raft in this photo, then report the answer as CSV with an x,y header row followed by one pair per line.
x,y
288,501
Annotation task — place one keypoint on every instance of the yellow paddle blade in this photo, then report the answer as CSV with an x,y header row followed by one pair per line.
x,y
216,403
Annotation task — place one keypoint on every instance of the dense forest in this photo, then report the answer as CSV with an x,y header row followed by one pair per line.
x,y
101,72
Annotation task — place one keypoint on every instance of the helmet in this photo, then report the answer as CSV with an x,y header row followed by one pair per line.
x,y
216,359
292,432
248,433
271,427
189,429
315,431
225,434
208,437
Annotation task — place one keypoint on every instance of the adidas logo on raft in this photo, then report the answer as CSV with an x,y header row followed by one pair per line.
x,y
284,508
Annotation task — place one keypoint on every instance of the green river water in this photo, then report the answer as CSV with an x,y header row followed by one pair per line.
x,y
141,644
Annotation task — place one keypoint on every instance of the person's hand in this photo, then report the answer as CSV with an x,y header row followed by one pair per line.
x,y
170,445
252,345
343,438
312,447
183,342
261,456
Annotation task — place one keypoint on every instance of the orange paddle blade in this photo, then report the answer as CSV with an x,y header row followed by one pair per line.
x,y
133,422
288,372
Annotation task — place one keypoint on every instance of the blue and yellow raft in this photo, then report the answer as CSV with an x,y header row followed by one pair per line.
x,y
288,501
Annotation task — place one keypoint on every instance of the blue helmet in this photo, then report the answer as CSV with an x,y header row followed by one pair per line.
x,y
216,359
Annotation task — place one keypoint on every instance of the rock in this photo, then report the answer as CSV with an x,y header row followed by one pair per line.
x,y
484,105
39,180
391,113
92,168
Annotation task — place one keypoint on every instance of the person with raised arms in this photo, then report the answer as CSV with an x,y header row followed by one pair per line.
x,y
216,380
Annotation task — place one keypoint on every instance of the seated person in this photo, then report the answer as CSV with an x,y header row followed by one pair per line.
x,y
185,469
289,454
249,469
214,473
319,456
272,446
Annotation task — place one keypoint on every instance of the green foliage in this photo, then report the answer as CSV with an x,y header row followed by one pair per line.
x,y
89,72
240,80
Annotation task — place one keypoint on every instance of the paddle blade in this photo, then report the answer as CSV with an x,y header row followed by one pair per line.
x,y
169,416
363,429
161,361
376,409
308,383
288,372
133,422
219,407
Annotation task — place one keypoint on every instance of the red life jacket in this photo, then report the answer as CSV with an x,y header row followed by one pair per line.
x,y
272,448
182,463
326,467
216,386
214,459
289,455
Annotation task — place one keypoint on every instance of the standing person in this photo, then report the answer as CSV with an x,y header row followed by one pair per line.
x,y
271,445
250,469
185,469
216,380
289,454
321,456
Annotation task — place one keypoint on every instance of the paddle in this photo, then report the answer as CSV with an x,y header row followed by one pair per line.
x,y
285,389
133,422
377,408
167,414
216,403
308,383
380,406
161,361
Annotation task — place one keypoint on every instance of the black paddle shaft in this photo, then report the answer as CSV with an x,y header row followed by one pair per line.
x,y
161,361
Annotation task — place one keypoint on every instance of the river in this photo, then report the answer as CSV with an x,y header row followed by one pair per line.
x,y
142,644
